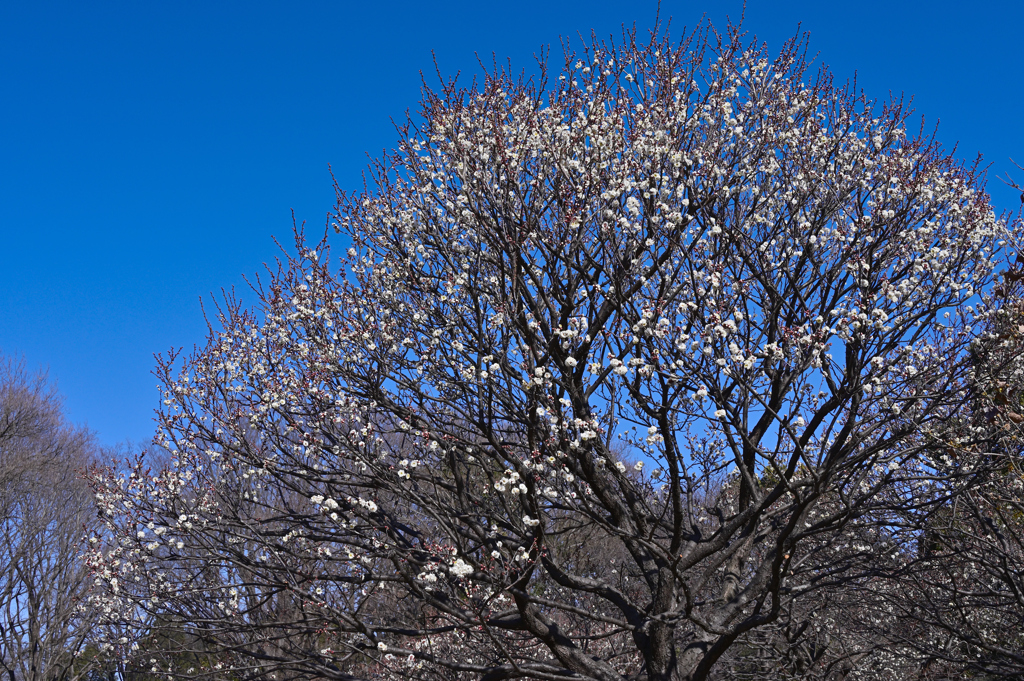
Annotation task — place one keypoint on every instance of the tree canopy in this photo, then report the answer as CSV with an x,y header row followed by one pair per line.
x,y
632,371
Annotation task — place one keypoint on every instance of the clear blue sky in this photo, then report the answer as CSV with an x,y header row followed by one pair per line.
x,y
150,150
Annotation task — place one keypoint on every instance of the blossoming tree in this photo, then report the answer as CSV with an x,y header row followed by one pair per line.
x,y
622,366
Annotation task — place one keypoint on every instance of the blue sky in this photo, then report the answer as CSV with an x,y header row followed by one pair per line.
x,y
151,150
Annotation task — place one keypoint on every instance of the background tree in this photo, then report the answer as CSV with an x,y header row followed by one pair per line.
x,y
963,597
622,370
45,510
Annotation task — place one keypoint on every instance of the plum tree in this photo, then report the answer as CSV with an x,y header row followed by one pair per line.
x,y
618,368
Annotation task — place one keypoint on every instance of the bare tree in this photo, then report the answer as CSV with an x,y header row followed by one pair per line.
x,y
621,372
45,510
